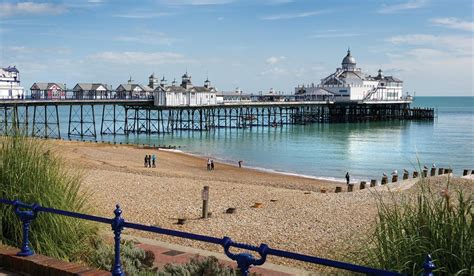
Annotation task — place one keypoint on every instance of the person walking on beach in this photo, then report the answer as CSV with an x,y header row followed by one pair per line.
x,y
348,178
208,164
212,165
153,160
149,161
146,161
240,163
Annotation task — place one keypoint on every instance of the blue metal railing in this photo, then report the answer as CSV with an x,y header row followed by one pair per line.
x,y
27,213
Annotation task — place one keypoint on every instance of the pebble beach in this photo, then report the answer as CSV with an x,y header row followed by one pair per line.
x,y
292,212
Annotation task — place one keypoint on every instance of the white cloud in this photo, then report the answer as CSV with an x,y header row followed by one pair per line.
x,y
333,34
274,60
274,71
307,73
23,50
410,5
152,38
143,15
454,23
454,44
23,8
433,64
276,2
197,2
293,15
148,58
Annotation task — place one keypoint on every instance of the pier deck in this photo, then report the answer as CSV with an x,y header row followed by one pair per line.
x,y
40,117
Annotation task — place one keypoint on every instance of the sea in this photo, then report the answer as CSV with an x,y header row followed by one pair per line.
x,y
327,151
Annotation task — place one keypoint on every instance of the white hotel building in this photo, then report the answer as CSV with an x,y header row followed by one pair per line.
x,y
10,83
349,83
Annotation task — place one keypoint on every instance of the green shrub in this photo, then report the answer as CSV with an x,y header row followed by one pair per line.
x,y
428,222
135,261
29,172
200,267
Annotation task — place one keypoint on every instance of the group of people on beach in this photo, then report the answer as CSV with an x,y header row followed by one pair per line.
x,y
150,161
210,164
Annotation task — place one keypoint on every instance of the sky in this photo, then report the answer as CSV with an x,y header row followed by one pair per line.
x,y
254,45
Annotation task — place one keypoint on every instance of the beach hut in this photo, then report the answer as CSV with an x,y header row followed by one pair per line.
x,y
48,90
91,91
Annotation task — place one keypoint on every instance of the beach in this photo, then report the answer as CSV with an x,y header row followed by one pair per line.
x,y
294,215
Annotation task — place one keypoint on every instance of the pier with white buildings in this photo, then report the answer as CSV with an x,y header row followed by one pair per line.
x,y
347,95
349,83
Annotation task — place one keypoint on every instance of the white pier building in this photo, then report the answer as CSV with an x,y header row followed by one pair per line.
x,y
185,94
349,83
10,83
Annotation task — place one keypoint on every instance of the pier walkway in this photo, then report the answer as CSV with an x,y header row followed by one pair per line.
x,y
117,116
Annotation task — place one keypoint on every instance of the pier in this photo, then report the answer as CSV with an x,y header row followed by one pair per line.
x,y
125,116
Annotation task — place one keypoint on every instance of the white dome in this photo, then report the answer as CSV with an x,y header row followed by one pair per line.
x,y
348,61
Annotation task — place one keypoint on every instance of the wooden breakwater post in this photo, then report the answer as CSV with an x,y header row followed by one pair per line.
x,y
465,172
433,171
425,172
384,180
406,175
338,189
394,178
362,185
373,182
350,187
448,171
205,201
415,174
440,171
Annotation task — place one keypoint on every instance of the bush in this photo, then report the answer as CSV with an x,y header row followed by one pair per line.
x,y
135,261
440,224
200,267
31,174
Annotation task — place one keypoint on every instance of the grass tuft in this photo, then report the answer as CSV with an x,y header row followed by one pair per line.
x,y
421,223
31,173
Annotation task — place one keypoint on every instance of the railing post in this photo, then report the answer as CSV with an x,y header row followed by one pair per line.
x,y
428,266
245,260
117,226
26,217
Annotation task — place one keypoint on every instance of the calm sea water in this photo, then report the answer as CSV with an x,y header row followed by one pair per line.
x,y
366,150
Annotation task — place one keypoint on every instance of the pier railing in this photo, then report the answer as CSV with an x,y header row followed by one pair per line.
x,y
27,214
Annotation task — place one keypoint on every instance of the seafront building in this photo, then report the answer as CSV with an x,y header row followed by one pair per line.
x,y
10,83
133,90
236,96
92,91
185,94
48,90
349,83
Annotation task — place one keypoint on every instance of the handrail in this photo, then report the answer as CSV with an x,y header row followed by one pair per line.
x,y
244,260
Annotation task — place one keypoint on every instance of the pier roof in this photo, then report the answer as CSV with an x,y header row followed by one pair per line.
x,y
90,86
46,85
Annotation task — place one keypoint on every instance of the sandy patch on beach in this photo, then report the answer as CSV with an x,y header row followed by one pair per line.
x,y
294,215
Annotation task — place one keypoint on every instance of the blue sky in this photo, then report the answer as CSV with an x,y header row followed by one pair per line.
x,y
251,44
